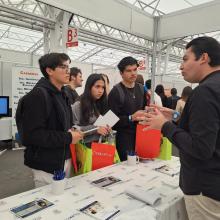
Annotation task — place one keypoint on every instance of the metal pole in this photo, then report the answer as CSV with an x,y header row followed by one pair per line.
x,y
167,60
156,21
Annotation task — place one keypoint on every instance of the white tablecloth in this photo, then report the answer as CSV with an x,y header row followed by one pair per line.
x,y
79,192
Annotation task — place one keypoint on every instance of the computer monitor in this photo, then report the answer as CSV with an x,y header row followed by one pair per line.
x,y
4,106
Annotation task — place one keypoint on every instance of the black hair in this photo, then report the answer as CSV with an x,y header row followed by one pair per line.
x,y
148,83
186,93
88,105
126,61
173,91
207,45
52,60
104,75
140,79
74,71
159,90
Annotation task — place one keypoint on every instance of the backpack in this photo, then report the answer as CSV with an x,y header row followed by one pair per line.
x,y
19,115
122,94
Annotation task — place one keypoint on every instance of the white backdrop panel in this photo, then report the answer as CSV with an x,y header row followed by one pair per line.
x,y
7,78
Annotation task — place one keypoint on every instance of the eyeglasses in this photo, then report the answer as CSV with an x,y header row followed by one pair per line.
x,y
64,67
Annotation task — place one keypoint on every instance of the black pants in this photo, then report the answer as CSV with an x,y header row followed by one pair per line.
x,y
125,141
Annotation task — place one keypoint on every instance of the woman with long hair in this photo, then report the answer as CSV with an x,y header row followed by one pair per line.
x,y
160,91
185,95
92,103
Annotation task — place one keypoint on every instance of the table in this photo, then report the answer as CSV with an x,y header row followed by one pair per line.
x,y
79,192
5,128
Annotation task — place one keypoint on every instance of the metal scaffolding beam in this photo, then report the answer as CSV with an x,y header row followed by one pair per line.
x,y
40,17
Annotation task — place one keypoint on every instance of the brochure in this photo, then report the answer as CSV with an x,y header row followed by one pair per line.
x,y
99,211
105,181
149,197
166,169
31,208
109,119
89,132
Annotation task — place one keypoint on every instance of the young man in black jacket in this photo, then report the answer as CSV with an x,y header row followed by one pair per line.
x,y
75,81
197,136
47,126
126,100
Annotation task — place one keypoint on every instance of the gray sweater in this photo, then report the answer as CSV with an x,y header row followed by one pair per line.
x,y
92,136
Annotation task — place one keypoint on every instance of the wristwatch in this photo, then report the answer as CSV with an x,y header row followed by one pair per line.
x,y
175,116
130,118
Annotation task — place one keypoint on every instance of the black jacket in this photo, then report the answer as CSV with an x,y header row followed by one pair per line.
x,y
45,135
172,101
134,100
71,94
198,138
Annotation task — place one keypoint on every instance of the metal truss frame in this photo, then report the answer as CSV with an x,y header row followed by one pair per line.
x,y
40,17
143,6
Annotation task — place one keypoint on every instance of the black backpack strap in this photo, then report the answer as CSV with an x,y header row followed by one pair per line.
x,y
121,93
141,87
47,100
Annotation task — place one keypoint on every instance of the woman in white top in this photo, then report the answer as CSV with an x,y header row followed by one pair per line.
x,y
147,89
181,102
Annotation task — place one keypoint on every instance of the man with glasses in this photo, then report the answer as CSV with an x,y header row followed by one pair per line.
x,y
47,121
126,99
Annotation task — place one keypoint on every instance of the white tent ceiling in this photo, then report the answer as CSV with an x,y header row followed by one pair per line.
x,y
27,40
160,7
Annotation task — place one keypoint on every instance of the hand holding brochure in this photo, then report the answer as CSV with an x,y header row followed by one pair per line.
x,y
109,119
151,198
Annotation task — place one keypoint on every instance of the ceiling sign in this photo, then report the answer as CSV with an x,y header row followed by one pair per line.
x,y
72,37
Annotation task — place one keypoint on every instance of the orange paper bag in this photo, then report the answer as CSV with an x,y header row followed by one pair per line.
x,y
102,155
147,142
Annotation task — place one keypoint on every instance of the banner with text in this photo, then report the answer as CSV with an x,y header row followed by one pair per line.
x,y
23,80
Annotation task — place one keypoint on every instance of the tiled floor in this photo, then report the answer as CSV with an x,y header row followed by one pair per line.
x,y
14,176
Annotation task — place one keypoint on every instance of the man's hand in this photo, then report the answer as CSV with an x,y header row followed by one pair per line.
x,y
154,120
167,112
137,115
76,136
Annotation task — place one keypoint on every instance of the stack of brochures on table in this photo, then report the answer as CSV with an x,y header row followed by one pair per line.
x,y
148,197
99,211
106,181
172,183
166,169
